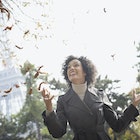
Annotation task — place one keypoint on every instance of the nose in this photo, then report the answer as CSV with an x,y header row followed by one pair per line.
x,y
69,67
72,67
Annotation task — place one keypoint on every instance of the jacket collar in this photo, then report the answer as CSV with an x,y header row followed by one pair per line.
x,y
70,93
73,100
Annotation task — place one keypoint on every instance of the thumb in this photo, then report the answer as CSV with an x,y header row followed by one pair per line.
x,y
133,94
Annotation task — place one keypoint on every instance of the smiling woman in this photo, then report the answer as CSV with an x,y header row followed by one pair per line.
x,y
75,72
84,107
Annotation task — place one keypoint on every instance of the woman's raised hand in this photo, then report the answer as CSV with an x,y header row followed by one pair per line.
x,y
47,99
135,98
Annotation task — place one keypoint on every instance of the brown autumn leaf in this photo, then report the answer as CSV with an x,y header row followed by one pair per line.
x,y
9,90
4,95
26,32
16,85
7,28
4,9
30,91
36,74
18,47
39,87
40,68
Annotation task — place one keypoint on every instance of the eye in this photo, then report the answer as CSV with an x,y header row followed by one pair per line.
x,y
68,67
76,65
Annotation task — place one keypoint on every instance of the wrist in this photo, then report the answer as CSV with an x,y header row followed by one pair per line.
x,y
49,109
134,104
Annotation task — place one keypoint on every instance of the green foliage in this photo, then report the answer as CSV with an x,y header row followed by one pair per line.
x,y
8,128
106,84
120,102
29,121
128,135
27,66
138,56
58,85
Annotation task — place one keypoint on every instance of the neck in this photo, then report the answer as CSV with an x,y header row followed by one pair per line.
x,y
80,89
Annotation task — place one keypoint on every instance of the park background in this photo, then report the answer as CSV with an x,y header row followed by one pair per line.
x,y
46,32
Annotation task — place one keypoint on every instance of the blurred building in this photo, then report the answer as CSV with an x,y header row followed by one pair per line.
x,y
12,93
12,90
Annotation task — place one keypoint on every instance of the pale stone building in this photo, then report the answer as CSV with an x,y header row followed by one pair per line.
x,y
12,91
11,82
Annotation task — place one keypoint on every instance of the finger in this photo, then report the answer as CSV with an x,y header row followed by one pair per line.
x,y
134,95
43,93
45,98
48,93
134,91
52,97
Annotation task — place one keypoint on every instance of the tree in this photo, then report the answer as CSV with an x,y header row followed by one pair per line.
x,y
8,128
136,126
120,102
34,104
30,115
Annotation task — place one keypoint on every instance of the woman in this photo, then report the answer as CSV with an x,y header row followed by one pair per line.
x,y
85,108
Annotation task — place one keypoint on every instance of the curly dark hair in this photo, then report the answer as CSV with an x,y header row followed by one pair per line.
x,y
88,67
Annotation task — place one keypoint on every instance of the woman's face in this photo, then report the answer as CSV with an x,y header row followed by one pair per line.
x,y
75,72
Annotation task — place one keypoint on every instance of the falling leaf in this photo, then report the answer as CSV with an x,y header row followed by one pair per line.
x,y
16,85
9,90
30,91
4,9
7,28
104,10
36,74
39,87
25,33
18,47
4,95
113,56
39,68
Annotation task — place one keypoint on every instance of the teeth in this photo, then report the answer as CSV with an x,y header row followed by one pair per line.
x,y
72,73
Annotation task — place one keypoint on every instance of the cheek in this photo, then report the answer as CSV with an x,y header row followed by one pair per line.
x,y
68,74
83,73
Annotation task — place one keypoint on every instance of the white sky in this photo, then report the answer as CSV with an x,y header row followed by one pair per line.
x,y
81,27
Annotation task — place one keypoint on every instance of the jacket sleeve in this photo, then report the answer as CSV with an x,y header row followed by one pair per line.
x,y
119,122
56,121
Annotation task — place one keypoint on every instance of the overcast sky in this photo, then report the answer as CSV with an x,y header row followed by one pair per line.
x,y
97,29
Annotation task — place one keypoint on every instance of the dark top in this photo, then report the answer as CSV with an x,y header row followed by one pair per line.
x,y
87,117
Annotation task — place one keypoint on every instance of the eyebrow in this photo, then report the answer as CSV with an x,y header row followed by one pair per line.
x,y
75,62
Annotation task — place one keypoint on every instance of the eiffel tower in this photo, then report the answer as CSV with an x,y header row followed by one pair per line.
x,y
12,92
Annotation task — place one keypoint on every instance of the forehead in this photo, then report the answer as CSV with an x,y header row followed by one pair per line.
x,y
74,61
